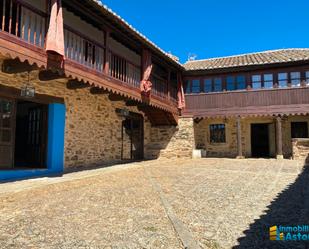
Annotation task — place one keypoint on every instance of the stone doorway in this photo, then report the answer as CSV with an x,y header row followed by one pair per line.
x,y
133,137
260,140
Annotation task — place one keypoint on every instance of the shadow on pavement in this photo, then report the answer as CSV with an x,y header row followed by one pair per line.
x,y
290,208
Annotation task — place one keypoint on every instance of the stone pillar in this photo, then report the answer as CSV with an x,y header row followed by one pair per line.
x,y
239,143
279,137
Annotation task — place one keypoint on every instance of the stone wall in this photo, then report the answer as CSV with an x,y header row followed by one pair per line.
x,y
93,129
170,141
300,148
229,149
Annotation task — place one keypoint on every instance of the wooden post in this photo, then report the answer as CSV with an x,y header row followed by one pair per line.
x,y
239,143
168,84
279,137
106,52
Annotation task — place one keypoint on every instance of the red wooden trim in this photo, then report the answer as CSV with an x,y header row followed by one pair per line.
x,y
18,48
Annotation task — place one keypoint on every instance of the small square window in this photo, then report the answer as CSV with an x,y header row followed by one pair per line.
x,y
299,129
217,133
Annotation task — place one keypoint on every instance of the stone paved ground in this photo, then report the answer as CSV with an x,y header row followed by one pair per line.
x,y
217,203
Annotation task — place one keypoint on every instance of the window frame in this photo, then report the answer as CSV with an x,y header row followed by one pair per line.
x,y
217,126
266,81
299,123
296,78
214,84
238,82
257,81
198,85
211,85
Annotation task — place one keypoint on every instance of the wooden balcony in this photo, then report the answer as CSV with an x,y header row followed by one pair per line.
x,y
22,35
284,101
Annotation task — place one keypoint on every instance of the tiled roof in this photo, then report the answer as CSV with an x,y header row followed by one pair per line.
x,y
124,23
258,58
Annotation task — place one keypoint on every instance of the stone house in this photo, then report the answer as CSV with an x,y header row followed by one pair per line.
x,y
81,87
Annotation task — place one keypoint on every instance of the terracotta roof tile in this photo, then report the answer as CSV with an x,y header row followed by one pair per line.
x,y
258,58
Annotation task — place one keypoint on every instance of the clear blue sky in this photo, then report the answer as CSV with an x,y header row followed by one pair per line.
x,y
218,27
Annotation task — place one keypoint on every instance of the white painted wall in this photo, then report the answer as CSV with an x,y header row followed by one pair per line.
x,y
83,27
39,4
123,51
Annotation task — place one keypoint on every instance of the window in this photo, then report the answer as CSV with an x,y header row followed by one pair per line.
x,y
188,87
207,85
217,133
256,81
268,81
295,78
283,79
307,77
195,86
241,82
230,83
299,130
217,84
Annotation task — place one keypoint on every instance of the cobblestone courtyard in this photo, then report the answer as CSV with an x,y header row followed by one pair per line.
x,y
208,203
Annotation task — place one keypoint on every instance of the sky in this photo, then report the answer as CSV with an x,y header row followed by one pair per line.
x,y
215,28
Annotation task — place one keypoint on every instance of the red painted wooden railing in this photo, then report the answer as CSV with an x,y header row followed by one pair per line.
x,y
23,21
83,50
124,70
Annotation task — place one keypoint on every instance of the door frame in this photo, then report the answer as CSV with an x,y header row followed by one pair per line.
x,y
13,129
132,116
267,124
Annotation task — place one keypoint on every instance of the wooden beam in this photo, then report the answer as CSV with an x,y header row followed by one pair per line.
x,y
239,143
48,75
116,97
132,103
97,90
12,66
75,84
279,137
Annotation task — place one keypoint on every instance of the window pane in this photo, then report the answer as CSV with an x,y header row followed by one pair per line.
x,y
207,85
307,77
256,81
230,83
268,81
195,86
283,79
299,129
218,85
241,82
295,78
256,78
187,89
217,133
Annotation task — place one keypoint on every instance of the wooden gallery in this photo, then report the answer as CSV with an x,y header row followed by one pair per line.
x,y
80,87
